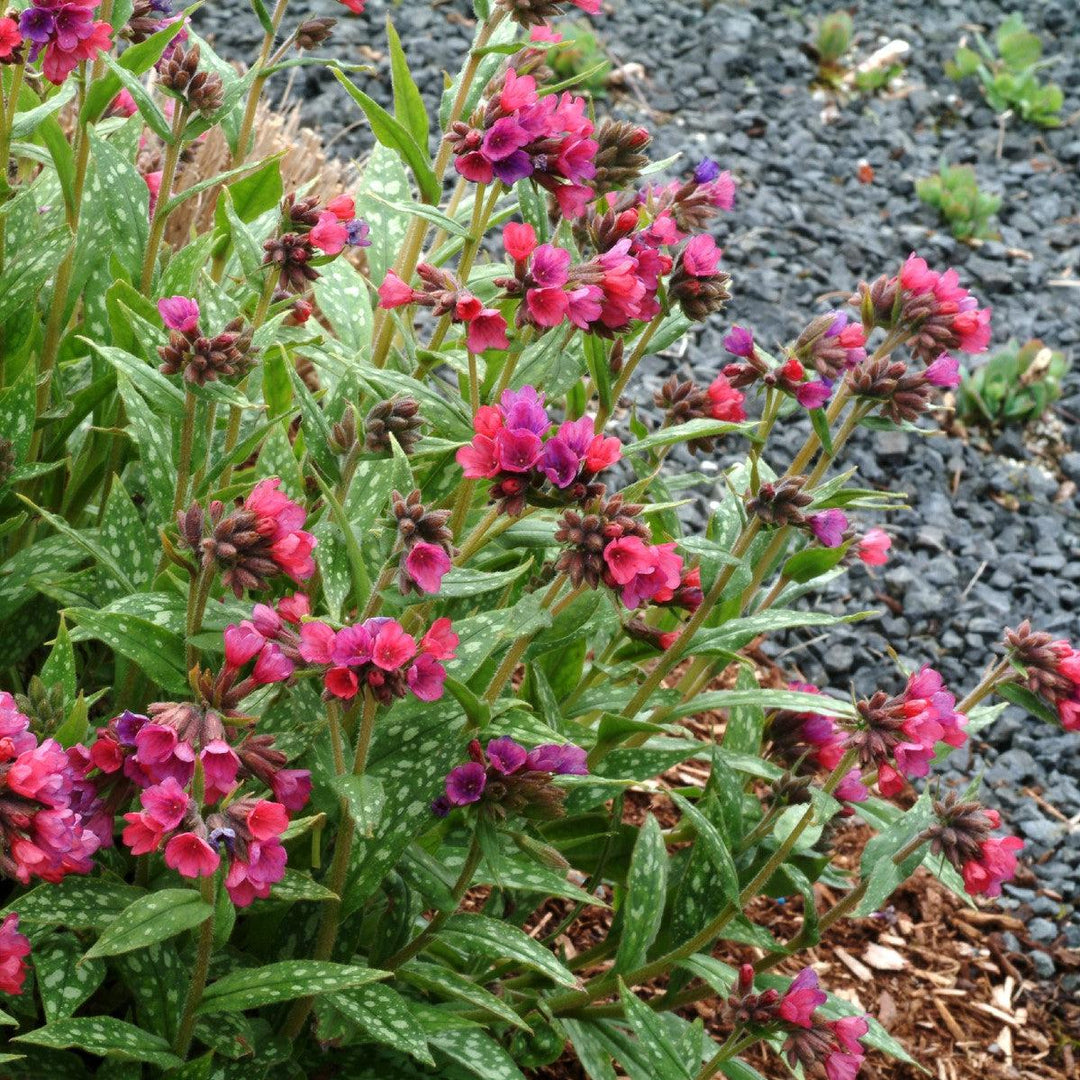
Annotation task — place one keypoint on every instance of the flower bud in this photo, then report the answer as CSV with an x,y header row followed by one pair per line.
x,y
313,32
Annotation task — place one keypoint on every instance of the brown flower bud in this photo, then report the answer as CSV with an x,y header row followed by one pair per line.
x,y
621,155
780,503
292,254
313,32
398,417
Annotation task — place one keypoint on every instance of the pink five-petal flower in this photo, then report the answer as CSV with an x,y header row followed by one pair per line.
x,y
487,330
141,833
273,666
487,421
627,557
394,292
944,372
478,460
242,643
165,804
293,608
701,256
802,997
343,207
829,526
550,266
813,394
519,240
547,307
179,313
440,641
873,547
426,564
191,856
329,235
518,91
391,647
517,451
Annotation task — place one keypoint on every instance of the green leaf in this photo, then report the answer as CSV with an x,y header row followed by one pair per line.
x,y
59,666
692,429
477,934
1022,696
157,651
719,854
653,1037
646,891
26,121
257,192
812,562
148,109
78,903
249,988
477,1052
882,875
104,1036
428,213
124,535
408,103
392,134
365,798
767,698
17,413
382,183
384,1016
296,885
462,581
64,983
745,724
157,979
452,985
152,919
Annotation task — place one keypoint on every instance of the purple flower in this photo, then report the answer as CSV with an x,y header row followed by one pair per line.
x,y
517,451
359,232
441,806
128,725
503,138
524,410
829,526
426,678
559,463
577,434
37,24
511,169
944,371
707,171
840,320
465,784
812,395
563,759
549,267
506,756
739,342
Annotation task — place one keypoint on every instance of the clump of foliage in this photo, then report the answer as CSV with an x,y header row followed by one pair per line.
x,y
1015,386
579,58
831,43
332,637
1010,76
840,73
954,193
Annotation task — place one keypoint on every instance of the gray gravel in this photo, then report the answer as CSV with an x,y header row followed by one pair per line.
x,y
991,536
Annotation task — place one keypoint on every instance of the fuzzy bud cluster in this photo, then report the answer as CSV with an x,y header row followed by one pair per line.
x,y
427,544
202,91
1053,670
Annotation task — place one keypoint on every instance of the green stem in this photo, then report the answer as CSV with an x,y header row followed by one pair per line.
x,y
187,441
735,1043
461,886
603,412
208,890
161,207
198,595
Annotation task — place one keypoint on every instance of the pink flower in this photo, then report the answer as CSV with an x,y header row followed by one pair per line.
x,y
544,33
996,864
873,546
701,256
813,394
602,453
266,820
944,371
973,328
916,276
179,313
517,451
851,788
626,558
725,402
293,608
329,235
659,582
355,6
487,330
342,682
426,678
440,641
519,240
165,805
10,40
487,421
479,460
517,92
801,998
241,644
342,207
506,755
829,526
391,647
547,307
191,856
279,518
141,834
394,292
220,765
426,564
273,666
317,642
14,947
291,787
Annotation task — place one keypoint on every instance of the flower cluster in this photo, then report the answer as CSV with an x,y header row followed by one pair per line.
x,y
308,230
537,12
602,296
1053,670
486,327
507,778
67,33
43,829
899,734
380,655
202,359
261,537
248,830
962,835
427,544
684,400
933,308
828,1047
14,949
509,448
518,134
697,283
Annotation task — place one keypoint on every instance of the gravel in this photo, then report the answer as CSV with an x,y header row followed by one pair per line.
x,y
991,535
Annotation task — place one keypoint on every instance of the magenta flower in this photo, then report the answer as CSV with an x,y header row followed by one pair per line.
x,y
465,784
440,641
426,677
801,998
487,330
559,463
872,548
394,292
426,564
813,394
329,234
506,756
191,856
996,864
479,460
701,256
517,451
273,666
391,647
179,313
739,341
14,949
561,759
829,526
165,804
242,643
944,372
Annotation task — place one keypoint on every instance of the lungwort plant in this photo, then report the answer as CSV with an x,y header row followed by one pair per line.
x,y
341,612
